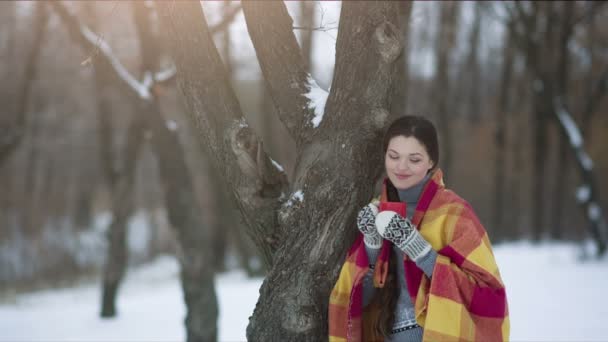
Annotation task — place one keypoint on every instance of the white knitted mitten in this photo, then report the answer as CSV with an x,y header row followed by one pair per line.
x,y
402,233
366,223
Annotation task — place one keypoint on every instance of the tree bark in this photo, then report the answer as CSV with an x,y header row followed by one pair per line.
x,y
500,135
441,85
305,234
473,68
400,90
12,128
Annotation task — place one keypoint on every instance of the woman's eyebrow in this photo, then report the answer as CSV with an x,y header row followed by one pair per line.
x,y
411,154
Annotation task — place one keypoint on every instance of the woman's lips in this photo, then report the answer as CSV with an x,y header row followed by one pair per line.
x,y
402,177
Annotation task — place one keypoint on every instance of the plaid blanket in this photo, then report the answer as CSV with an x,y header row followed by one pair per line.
x,y
465,298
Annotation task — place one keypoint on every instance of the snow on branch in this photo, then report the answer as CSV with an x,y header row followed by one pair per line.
x,y
122,72
317,98
165,75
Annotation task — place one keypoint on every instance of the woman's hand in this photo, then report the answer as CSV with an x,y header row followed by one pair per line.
x,y
402,233
366,223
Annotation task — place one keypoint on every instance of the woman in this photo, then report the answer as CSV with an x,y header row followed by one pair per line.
x,y
422,268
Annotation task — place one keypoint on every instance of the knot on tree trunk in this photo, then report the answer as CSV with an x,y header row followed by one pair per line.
x,y
379,118
388,41
264,178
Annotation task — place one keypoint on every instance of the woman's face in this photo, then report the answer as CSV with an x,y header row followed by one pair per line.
x,y
406,161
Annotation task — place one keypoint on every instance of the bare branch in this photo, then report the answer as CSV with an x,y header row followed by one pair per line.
x,y
89,40
283,66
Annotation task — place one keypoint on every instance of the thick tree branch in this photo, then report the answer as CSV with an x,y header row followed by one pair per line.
x,y
284,68
238,152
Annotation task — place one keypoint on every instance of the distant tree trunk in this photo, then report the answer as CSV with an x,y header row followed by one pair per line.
x,y
472,67
8,25
447,29
398,105
561,84
12,126
540,110
83,212
520,125
503,111
307,19
185,215
122,207
304,235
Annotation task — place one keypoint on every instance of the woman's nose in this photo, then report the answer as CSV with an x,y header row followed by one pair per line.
x,y
402,165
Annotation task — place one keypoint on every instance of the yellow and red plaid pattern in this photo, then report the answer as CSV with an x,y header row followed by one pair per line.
x,y
465,299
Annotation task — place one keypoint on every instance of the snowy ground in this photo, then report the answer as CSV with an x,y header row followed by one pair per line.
x,y
553,296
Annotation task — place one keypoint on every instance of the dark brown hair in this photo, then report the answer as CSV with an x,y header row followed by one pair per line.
x,y
418,127
386,297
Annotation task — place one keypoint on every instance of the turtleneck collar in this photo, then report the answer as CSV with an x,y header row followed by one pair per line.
x,y
410,195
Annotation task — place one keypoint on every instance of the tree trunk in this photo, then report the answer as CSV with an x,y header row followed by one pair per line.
x,y
520,125
305,234
445,44
122,208
185,215
561,84
472,68
307,20
12,127
398,106
503,111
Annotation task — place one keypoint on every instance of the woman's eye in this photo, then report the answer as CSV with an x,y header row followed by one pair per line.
x,y
415,161
393,157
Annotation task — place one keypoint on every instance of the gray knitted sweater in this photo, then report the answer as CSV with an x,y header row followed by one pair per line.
x,y
404,326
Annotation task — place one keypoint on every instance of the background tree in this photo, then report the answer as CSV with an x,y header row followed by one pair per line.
x,y
445,43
